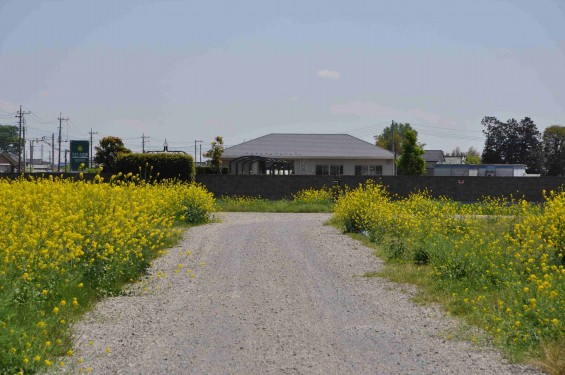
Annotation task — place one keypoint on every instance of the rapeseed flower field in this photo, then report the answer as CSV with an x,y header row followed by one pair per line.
x,y
499,262
64,243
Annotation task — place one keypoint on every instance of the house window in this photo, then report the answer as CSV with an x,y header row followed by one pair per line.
x,y
368,170
332,170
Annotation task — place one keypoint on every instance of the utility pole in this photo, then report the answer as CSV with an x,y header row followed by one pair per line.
x,y
66,151
91,134
393,153
195,151
31,141
143,138
200,153
31,155
24,143
53,152
21,115
60,127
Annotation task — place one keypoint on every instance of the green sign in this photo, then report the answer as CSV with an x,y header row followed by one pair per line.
x,y
79,154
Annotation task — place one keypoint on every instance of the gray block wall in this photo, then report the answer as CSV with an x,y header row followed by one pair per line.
x,y
464,189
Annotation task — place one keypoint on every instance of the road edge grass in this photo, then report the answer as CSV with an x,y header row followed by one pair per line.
x,y
549,358
280,206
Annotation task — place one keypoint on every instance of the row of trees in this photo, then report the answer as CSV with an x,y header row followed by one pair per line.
x,y
510,142
520,142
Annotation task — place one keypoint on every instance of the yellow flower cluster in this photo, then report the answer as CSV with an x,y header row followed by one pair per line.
x,y
64,243
313,196
502,260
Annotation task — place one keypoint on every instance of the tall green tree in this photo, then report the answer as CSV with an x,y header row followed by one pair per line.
x,y
215,152
9,138
512,142
384,140
108,151
411,161
554,150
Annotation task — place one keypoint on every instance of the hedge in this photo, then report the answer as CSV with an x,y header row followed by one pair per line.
x,y
158,166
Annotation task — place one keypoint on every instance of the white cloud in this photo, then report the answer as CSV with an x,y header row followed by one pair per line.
x,y
329,74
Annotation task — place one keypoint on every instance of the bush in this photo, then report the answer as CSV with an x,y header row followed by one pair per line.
x,y
158,166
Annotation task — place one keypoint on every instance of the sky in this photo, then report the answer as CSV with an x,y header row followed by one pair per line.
x,y
186,71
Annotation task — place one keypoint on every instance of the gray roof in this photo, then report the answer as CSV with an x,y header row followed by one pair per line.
x,y
13,158
324,146
433,155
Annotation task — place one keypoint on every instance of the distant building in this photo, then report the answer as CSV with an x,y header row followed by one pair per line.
x,y
488,170
455,160
432,157
308,154
8,162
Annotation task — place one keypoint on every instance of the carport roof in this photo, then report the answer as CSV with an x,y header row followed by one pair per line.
x,y
324,146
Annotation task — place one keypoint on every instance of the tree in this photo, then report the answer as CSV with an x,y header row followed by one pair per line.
x,y
108,151
554,150
472,156
9,139
215,152
385,139
456,152
411,161
512,142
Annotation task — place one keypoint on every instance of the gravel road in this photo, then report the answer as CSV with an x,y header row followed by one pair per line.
x,y
280,294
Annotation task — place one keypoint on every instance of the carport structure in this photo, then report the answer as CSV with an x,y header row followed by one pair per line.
x,y
254,164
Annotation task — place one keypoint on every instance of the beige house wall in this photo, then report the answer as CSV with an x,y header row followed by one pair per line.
x,y
308,166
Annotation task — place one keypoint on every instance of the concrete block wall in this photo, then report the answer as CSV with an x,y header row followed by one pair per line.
x,y
464,189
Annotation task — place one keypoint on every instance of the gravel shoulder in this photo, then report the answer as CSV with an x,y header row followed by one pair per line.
x,y
280,294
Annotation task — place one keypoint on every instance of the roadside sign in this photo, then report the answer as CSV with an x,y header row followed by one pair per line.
x,y
79,154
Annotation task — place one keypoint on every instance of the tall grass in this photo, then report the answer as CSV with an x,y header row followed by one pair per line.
x,y
309,200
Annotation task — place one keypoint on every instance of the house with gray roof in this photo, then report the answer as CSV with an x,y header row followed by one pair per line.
x,y
8,162
308,154
433,157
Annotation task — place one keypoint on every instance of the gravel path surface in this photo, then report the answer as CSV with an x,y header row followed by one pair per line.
x,y
280,294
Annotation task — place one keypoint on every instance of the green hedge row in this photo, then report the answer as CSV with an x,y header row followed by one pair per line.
x,y
158,166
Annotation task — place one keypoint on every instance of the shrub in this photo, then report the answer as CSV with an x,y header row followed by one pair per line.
x,y
157,166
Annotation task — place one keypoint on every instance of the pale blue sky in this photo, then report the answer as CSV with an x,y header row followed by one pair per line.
x,y
184,70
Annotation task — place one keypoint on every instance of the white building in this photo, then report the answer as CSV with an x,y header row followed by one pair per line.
x,y
308,154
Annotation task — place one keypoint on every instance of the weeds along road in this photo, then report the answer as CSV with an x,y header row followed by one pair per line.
x,y
279,294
